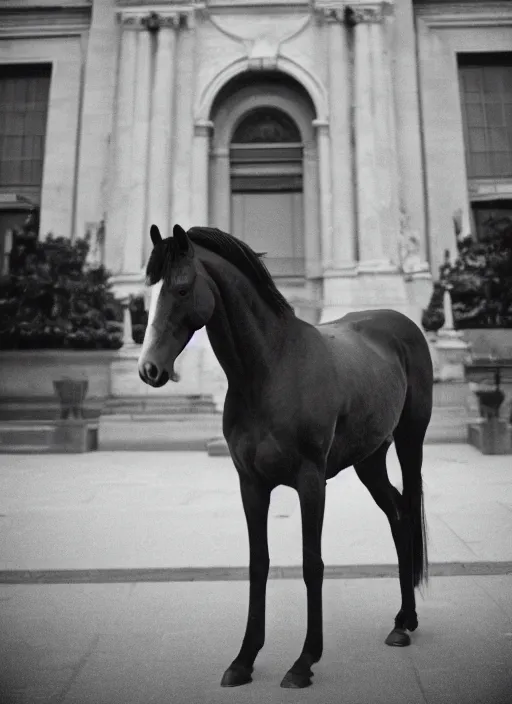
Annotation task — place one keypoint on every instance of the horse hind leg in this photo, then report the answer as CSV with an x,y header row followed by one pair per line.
x,y
373,474
409,437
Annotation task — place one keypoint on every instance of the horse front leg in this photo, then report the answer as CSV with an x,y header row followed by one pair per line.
x,y
256,500
311,490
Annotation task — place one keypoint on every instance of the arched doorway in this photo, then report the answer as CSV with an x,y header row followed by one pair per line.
x,y
264,173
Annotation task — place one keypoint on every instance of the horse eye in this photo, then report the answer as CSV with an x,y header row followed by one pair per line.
x,y
182,292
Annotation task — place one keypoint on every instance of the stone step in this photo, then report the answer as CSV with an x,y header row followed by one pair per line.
x,y
151,405
32,436
186,431
25,436
194,431
159,431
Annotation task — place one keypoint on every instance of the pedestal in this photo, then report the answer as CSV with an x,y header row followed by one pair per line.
x,y
75,435
491,437
451,352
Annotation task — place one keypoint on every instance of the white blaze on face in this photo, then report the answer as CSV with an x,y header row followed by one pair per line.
x,y
155,292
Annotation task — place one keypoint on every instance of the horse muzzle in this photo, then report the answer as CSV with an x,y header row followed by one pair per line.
x,y
153,377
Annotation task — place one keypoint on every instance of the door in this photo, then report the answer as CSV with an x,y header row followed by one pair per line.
x,y
272,222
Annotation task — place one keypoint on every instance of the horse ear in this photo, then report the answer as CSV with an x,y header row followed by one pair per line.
x,y
155,235
181,238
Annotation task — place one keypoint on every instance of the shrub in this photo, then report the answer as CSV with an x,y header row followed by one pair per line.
x,y
52,298
480,281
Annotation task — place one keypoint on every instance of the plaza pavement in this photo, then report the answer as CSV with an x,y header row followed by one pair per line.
x,y
168,510
139,518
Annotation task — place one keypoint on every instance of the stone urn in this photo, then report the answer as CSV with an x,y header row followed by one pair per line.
x,y
489,402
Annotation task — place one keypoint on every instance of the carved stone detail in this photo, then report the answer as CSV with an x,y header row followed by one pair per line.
x,y
154,21
352,14
371,12
333,14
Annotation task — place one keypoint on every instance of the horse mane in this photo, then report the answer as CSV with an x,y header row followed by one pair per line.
x,y
238,253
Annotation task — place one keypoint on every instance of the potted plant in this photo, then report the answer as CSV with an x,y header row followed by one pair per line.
x,y
59,322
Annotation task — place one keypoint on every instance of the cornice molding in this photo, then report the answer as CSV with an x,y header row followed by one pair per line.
x,y
46,19
26,5
441,15
232,6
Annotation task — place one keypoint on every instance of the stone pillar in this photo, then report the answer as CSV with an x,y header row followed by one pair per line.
x,y
343,212
373,92
182,198
385,144
376,281
137,201
324,168
200,172
220,190
100,78
408,130
159,182
117,219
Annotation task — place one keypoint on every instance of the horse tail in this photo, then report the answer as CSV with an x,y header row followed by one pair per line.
x,y
409,437
415,510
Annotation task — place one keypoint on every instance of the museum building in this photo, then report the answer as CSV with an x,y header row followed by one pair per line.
x,y
345,140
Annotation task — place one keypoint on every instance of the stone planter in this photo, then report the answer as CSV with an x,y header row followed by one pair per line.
x,y
489,433
481,372
491,436
27,380
489,402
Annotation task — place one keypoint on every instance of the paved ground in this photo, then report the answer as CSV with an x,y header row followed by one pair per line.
x,y
170,510
143,642
158,643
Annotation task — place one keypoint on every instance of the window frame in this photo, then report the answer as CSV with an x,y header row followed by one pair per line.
x,y
28,187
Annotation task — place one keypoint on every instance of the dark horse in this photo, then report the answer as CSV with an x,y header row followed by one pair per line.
x,y
303,403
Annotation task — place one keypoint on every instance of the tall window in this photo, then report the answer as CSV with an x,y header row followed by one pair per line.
x,y
486,99
24,93
486,92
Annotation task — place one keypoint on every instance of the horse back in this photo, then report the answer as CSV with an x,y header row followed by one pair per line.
x,y
379,334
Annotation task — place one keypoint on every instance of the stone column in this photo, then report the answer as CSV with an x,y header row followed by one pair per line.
x,y
182,198
117,220
159,182
200,172
220,190
324,167
137,204
375,174
343,211
386,147
408,129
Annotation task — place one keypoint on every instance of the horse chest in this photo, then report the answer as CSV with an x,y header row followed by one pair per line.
x,y
259,453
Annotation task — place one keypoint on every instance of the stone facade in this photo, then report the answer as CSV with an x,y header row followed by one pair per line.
x,y
142,100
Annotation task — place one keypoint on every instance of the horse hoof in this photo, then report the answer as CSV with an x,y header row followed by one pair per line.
x,y
399,638
236,675
294,680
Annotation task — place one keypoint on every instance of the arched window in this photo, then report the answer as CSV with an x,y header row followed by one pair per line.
x,y
266,169
264,126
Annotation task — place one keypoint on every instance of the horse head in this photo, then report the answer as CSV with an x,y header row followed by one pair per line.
x,y
181,303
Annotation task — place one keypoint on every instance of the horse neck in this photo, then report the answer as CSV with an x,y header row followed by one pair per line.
x,y
246,334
